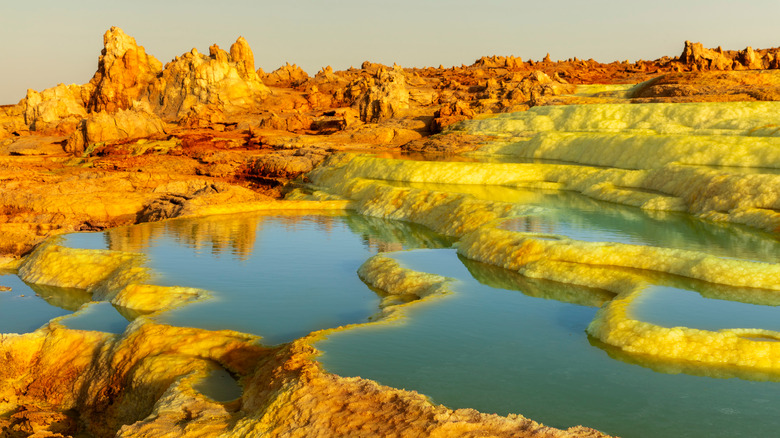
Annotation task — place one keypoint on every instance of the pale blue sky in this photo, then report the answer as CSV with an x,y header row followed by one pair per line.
x,y
45,42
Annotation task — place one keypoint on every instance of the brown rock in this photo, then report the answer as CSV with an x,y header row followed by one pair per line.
x,y
106,127
447,143
449,114
750,59
695,55
284,165
508,62
295,121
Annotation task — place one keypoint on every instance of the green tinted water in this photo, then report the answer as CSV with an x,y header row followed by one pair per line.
x,y
502,343
491,347
279,277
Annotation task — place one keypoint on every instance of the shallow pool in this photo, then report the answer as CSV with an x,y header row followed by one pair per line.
x,y
501,343
496,349
279,277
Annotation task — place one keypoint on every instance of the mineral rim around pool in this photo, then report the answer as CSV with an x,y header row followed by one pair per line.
x,y
605,234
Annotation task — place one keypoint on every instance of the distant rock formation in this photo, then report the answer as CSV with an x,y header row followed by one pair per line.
x,y
194,78
56,110
191,87
696,57
286,76
509,62
385,97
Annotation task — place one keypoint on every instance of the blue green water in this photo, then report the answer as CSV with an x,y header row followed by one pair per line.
x,y
98,316
498,350
671,307
501,343
279,277
25,308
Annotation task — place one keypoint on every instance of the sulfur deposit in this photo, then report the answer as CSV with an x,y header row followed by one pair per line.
x,y
470,152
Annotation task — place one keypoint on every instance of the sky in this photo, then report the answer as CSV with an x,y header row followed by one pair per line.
x,y
46,42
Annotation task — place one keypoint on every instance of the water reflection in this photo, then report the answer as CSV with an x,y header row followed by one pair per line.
x,y
582,218
25,308
501,278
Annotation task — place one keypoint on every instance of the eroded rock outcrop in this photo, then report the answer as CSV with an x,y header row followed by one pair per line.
x,y
449,114
128,79
125,73
193,79
287,76
242,55
56,110
385,97
696,57
121,125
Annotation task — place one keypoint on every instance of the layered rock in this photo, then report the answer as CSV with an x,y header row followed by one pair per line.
x,y
449,114
696,57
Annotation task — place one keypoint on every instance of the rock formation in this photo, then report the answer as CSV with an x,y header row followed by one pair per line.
x,y
696,57
104,126
242,55
125,73
58,109
385,97
449,114
287,76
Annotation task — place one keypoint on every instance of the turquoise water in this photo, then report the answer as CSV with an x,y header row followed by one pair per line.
x,y
498,350
501,343
672,307
582,218
279,277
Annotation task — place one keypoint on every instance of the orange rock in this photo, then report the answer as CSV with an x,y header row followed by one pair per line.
x,y
242,55
287,76
125,72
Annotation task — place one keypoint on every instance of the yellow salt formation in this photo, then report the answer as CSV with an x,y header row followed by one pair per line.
x,y
741,347
711,118
515,251
417,192
403,287
714,194
644,151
